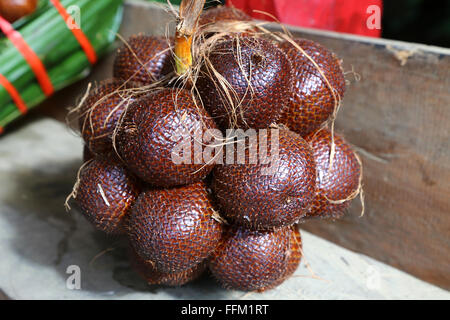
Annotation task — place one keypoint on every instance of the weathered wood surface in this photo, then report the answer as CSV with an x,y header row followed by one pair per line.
x,y
398,116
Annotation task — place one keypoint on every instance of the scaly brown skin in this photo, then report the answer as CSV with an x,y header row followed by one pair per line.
x,y
261,80
174,228
146,269
259,201
294,258
151,131
312,102
221,13
340,183
144,59
106,193
100,113
250,260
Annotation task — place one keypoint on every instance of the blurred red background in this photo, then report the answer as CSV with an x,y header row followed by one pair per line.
x,y
348,16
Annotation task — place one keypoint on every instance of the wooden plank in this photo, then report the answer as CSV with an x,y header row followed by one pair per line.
x,y
398,117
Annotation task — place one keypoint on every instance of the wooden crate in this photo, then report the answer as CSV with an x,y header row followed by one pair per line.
x,y
398,118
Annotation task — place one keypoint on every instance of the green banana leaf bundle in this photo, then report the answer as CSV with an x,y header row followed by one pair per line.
x,y
48,35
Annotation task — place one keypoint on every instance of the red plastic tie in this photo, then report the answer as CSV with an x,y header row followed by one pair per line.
x,y
30,56
77,32
15,95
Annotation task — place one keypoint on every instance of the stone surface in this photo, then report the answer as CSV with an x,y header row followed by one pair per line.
x,y
40,240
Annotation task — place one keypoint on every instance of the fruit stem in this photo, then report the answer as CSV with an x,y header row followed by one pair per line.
x,y
190,11
183,55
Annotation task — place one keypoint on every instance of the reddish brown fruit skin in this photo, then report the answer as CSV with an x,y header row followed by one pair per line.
x,y
175,227
257,201
271,78
120,190
147,270
312,102
339,183
221,13
294,257
152,129
99,115
13,10
145,59
250,260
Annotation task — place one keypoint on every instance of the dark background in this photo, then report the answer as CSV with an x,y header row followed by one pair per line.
x,y
423,21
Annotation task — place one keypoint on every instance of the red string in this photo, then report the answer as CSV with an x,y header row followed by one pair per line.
x,y
33,60
77,32
30,56
15,96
